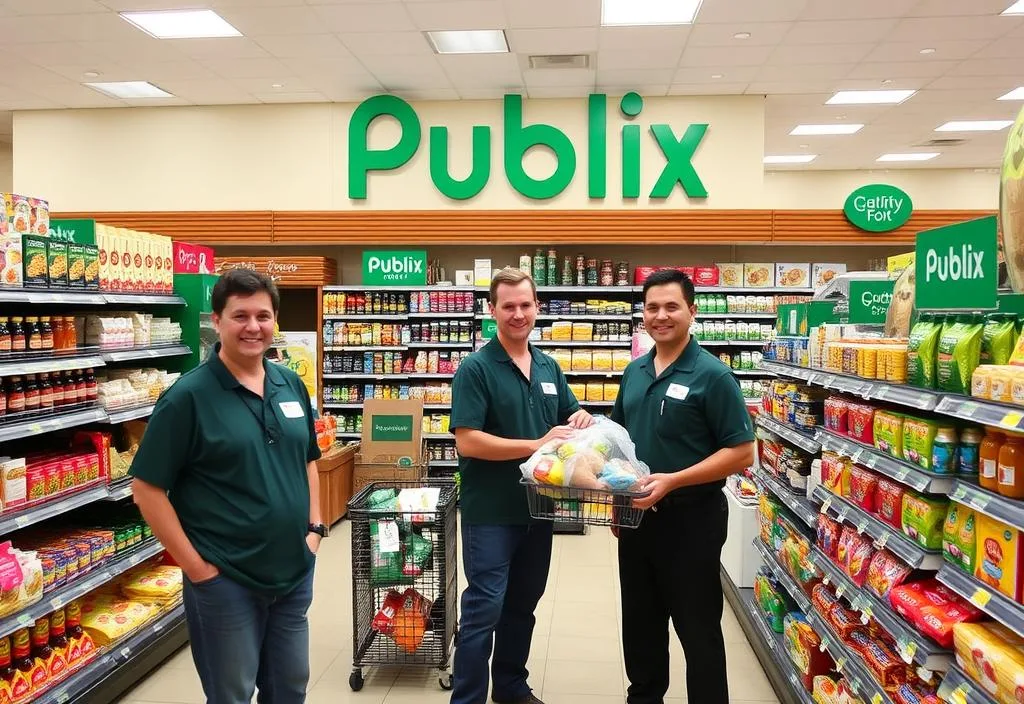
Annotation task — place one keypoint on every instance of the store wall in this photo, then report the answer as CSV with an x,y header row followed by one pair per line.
x,y
929,189
294,157
6,168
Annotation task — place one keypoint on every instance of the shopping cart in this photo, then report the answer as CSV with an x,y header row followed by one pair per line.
x,y
593,507
424,632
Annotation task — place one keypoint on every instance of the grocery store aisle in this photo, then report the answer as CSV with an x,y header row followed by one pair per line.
x,y
576,656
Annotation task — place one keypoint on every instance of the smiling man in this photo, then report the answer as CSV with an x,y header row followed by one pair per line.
x,y
684,411
226,476
508,399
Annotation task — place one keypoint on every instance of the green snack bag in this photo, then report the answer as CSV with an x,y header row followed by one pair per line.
x,y
997,339
383,500
418,551
385,553
922,352
959,355
967,543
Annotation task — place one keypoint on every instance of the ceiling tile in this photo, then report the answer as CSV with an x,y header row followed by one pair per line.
x,y
208,92
325,67
542,92
620,60
92,27
460,14
627,77
806,72
49,53
248,68
849,83
553,41
954,50
987,67
902,69
313,46
488,93
292,98
527,14
156,102
365,17
926,30
252,21
839,31
139,5
761,33
727,11
703,89
735,74
819,54
145,48
719,57
762,87
550,78
956,8
51,7
482,70
1005,48
431,94
26,30
378,43
424,76
220,48
629,38
832,10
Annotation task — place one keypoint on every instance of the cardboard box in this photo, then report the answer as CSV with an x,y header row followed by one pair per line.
x,y
22,215
34,258
823,274
149,272
191,258
57,264
12,482
758,275
364,473
392,431
76,265
92,267
792,275
168,252
730,275
11,271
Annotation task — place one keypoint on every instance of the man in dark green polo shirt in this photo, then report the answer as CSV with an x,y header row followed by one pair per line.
x,y
226,476
508,399
684,411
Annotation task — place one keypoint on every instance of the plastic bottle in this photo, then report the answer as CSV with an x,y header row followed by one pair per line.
x,y
989,456
970,446
944,450
1011,467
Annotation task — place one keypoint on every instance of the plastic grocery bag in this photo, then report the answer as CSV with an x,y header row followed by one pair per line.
x,y
599,457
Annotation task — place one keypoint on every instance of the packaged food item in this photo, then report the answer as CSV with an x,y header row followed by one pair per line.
x,y
57,263
888,433
386,552
922,352
410,621
889,500
923,518
861,551
914,694
34,258
767,508
836,410
988,458
758,275
884,664
802,645
108,617
772,601
969,460
861,418
792,275
981,382
828,532
822,274
1000,559
11,270
835,473
863,487
992,656
885,572
1010,471
959,536
1001,383
933,609
823,598
945,450
825,690
384,620
152,583
959,354
998,338
918,439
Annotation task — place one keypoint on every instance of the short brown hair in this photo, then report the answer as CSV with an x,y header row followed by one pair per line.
x,y
510,277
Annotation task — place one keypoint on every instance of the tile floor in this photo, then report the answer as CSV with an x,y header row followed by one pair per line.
x,y
576,656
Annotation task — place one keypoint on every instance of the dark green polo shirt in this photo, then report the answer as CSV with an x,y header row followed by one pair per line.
x,y
690,412
234,466
491,394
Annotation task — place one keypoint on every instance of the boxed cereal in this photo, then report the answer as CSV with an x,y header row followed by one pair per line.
x,y
12,482
34,258
11,272
76,265
91,276
792,275
730,274
57,263
758,275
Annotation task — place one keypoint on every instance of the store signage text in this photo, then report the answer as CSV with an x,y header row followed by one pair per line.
x,y
391,428
678,151
956,266
78,231
878,207
869,301
274,269
389,268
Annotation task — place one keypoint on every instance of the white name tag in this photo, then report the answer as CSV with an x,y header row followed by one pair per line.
x,y
549,388
677,391
291,409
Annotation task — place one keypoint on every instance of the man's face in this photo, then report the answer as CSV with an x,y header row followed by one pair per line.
x,y
246,325
667,315
515,310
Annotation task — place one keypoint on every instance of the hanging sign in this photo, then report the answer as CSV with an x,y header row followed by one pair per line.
x,y
878,207
956,266
869,301
394,268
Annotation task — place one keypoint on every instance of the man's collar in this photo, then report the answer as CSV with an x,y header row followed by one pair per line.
x,y
498,353
228,380
686,362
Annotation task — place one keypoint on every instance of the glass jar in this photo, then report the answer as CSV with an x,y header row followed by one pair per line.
x,y
33,341
1011,467
17,334
46,333
988,455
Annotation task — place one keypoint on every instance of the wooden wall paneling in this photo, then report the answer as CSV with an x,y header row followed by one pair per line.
x,y
199,227
832,227
287,271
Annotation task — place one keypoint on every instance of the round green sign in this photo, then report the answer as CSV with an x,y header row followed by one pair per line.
x,y
878,207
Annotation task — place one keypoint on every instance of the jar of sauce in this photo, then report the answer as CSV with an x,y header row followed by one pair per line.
x,y
31,394
5,335
33,341
989,459
970,445
45,393
71,333
57,391
15,395
91,387
1011,467
17,334
46,333
59,333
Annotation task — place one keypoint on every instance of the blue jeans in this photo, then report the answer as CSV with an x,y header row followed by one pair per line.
x,y
507,570
242,639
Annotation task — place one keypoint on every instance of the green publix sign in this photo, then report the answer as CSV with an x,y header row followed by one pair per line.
x,y
394,268
878,207
518,139
957,267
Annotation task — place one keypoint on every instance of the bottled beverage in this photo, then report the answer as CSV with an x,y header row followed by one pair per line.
x,y
33,341
5,335
46,333
1011,467
17,334
989,456
45,393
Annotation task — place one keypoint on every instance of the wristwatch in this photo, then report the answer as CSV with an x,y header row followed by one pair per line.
x,y
318,528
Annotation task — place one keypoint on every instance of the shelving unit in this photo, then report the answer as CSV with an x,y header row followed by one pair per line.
x,y
899,470
959,688
801,507
996,604
804,441
1009,511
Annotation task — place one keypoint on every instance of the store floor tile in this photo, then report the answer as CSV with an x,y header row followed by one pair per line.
x,y
576,656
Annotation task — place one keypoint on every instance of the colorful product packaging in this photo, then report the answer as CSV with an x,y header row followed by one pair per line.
x,y
923,519
1000,558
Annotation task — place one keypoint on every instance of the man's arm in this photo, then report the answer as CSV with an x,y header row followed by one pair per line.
x,y
477,444
312,471
156,509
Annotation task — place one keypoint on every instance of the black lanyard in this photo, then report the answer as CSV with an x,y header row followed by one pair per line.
x,y
269,432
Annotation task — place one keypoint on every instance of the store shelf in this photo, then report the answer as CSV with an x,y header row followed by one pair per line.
x,y
429,375
899,394
848,662
80,587
800,506
143,299
884,535
996,604
785,578
731,343
15,520
378,377
872,458
356,436
438,436
41,365
754,290
454,315
145,353
956,687
598,317
582,343
123,415
342,406
773,642
732,316
598,404
357,288
27,295
49,424
802,440
358,405
787,370
366,316
751,372
365,348
584,289
119,490
982,412
592,373
440,345
911,645
1010,511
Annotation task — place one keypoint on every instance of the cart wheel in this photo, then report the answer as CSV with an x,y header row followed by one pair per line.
x,y
355,680
444,679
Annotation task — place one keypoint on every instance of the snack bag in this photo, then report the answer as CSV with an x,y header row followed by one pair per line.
x,y
954,530
992,656
386,553
885,572
923,518
933,609
410,621
998,338
889,498
922,352
599,457
828,536
773,602
863,488
959,355
418,551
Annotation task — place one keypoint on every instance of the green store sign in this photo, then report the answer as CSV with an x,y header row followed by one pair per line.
x,y
878,207
956,267
518,139
391,428
869,301
77,231
394,268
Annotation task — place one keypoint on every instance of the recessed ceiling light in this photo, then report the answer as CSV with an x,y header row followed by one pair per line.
x,y
130,89
181,24
1015,94
915,156
804,146
974,126
741,35
887,81
716,75
277,85
927,50
869,97
476,41
646,12
1016,8
91,74
852,128
790,159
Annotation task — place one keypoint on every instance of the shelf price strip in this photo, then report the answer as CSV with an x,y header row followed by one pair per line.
x,y
995,604
1006,510
799,506
804,442
914,477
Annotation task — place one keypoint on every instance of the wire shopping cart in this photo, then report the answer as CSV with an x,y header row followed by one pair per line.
x,y
593,507
403,600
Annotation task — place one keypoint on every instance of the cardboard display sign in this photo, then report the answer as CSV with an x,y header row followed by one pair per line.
x,y
392,431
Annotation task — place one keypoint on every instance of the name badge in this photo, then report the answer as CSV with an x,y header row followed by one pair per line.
x,y
678,391
291,409
548,388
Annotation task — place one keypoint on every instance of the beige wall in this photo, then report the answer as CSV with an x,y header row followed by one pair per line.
x,y
294,157
6,168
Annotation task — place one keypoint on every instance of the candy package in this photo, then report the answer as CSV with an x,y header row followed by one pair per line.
x,y
923,518
889,500
933,609
863,486
828,536
418,551
885,572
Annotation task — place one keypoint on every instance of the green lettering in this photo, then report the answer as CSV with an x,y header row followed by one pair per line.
x,y
479,172
678,166
520,139
597,143
631,161
362,159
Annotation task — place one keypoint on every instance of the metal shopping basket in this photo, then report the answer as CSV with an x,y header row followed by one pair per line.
x,y
380,635
593,507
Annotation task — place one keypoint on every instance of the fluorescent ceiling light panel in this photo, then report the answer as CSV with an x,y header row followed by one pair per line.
x,y
475,41
181,24
130,89
827,129
974,126
790,159
869,97
916,156
1016,8
625,13
1015,94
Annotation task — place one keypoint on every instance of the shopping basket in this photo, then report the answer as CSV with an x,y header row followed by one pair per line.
x,y
593,507
403,604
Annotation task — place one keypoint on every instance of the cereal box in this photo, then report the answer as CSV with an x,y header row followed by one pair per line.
x,y
57,263
11,271
793,275
12,481
34,255
91,274
76,265
730,275
758,275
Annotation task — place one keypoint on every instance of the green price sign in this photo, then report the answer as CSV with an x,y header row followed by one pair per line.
x,y
869,301
391,428
488,328
956,266
394,268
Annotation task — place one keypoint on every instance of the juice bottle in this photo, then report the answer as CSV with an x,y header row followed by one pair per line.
x,y
970,445
80,645
21,682
49,665
988,456
58,634
1011,467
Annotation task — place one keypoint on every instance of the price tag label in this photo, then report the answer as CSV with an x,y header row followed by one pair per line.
x,y
841,664
902,473
388,538
908,649
826,505
959,493
981,597
158,627
823,645
882,541
25,619
856,455
63,696
840,590
1011,420
21,521
826,580
876,699
969,409
35,428
56,602
125,652
843,513
979,501
862,526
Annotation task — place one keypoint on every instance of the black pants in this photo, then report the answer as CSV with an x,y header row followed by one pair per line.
x,y
669,568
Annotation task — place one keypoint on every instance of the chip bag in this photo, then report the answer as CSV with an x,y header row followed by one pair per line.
x,y
599,457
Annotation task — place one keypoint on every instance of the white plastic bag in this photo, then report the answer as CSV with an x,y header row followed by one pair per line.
x,y
599,457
